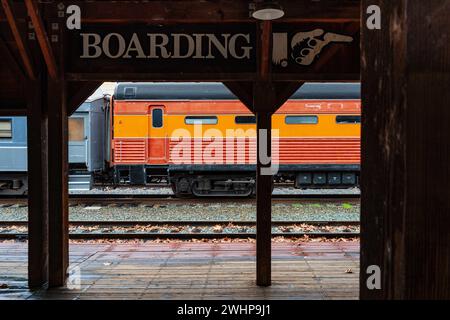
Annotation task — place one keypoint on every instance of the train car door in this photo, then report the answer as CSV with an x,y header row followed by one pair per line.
x,y
78,139
157,152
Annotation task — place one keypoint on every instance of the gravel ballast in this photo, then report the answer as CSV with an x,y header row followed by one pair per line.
x,y
168,191
212,211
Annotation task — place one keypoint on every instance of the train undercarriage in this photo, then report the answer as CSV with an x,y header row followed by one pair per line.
x,y
13,183
235,180
210,180
212,185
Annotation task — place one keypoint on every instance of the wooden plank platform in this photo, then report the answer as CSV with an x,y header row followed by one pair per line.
x,y
305,270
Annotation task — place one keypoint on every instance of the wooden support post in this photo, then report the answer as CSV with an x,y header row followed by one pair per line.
x,y
58,183
405,173
264,106
263,98
38,268
263,204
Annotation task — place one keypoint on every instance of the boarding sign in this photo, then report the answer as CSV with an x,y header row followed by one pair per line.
x,y
297,49
167,49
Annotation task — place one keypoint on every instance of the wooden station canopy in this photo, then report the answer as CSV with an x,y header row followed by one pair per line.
x,y
53,65
48,69
184,40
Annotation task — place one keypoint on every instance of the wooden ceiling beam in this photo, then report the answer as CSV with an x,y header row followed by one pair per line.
x,y
23,50
42,37
13,112
317,76
123,76
213,77
11,106
194,11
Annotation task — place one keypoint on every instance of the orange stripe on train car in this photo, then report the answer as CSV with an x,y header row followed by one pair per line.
x,y
300,150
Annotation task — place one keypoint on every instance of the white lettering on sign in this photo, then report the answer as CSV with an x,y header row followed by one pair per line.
x,y
374,19
163,46
374,280
91,41
245,50
177,39
74,19
106,45
134,46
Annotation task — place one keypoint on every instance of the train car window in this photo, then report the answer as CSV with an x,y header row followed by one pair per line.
x,y
157,118
5,128
301,120
348,119
129,92
200,120
76,129
245,119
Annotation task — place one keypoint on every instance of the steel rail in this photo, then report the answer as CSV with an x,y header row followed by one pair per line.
x,y
127,199
186,236
132,223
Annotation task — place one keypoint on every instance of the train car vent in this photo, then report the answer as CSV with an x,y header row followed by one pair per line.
x,y
130,92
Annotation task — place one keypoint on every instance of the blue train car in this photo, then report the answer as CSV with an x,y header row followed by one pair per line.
x,y
87,143
87,132
13,155
87,148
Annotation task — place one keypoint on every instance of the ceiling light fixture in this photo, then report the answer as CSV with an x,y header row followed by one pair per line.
x,y
267,10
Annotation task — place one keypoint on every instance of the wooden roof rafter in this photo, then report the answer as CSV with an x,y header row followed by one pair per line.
x,y
42,38
24,52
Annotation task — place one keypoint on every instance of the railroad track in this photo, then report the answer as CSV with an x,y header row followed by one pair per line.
x,y
169,198
193,229
130,223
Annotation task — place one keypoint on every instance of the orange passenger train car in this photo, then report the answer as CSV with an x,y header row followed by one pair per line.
x,y
202,139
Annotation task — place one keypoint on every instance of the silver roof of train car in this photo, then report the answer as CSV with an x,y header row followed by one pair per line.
x,y
218,91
